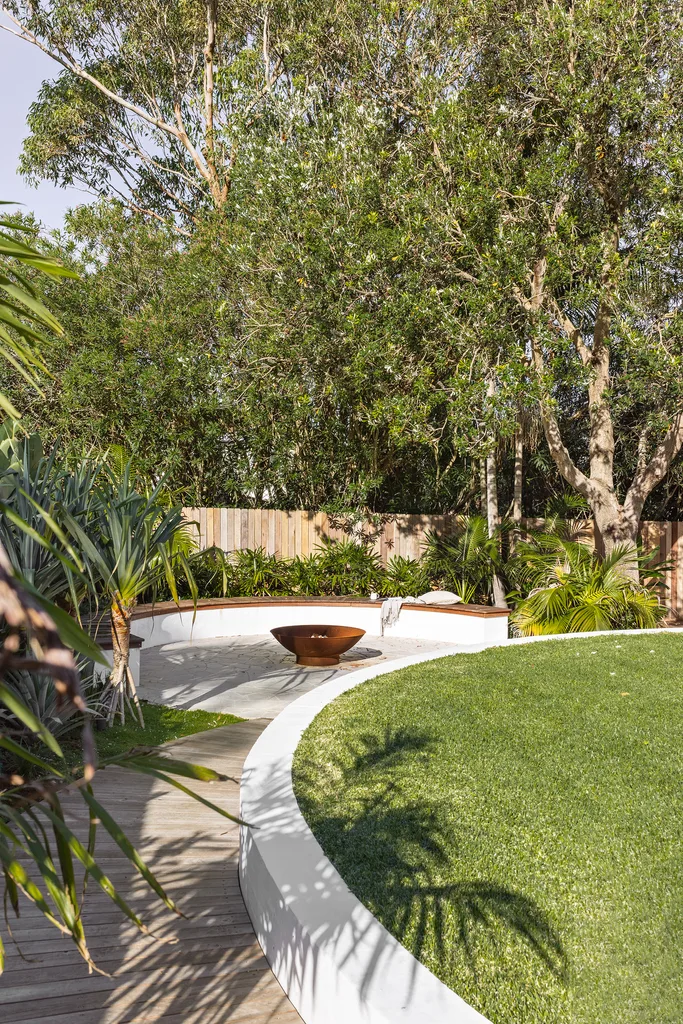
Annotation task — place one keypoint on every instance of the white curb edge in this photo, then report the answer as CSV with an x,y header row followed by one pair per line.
x,y
334,960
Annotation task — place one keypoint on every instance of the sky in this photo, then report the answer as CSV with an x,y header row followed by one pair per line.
x,y
23,68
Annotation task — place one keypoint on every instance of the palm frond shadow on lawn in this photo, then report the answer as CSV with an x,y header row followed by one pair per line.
x,y
404,847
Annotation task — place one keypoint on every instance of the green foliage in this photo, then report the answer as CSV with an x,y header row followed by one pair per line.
x,y
30,811
256,574
466,561
347,568
43,494
23,316
571,590
405,577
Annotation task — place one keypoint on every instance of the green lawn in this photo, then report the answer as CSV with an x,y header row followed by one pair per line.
x,y
161,725
514,818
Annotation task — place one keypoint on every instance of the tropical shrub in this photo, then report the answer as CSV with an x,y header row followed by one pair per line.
x,y
30,809
129,542
253,573
404,577
348,568
307,575
467,560
39,494
570,589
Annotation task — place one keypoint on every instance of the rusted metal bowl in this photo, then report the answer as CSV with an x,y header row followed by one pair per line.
x,y
317,645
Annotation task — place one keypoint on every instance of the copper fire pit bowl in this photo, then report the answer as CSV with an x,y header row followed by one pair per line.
x,y
317,645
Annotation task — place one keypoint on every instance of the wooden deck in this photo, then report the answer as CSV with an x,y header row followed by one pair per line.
x,y
209,968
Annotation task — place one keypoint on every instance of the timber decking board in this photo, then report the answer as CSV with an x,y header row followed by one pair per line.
x,y
210,968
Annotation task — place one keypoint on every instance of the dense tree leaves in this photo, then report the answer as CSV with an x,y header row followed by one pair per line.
x,y
442,216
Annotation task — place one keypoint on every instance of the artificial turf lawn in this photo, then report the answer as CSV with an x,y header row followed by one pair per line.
x,y
514,818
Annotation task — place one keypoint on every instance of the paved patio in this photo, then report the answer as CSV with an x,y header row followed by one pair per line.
x,y
252,676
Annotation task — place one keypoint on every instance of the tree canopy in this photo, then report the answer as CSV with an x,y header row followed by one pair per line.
x,y
420,230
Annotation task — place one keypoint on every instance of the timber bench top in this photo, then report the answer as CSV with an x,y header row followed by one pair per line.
x,y
143,611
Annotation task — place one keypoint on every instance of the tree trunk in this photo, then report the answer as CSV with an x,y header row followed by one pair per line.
x,y
616,523
517,486
120,689
615,528
492,515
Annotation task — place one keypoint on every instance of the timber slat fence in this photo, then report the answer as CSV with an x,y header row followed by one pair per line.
x,y
287,534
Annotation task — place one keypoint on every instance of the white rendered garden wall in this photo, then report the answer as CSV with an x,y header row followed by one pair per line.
x,y
335,961
447,625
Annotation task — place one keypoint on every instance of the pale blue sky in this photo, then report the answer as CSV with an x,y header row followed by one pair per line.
x,y
22,70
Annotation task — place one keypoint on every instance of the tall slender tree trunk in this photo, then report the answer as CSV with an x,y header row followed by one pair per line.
x,y
518,484
493,520
482,487
492,514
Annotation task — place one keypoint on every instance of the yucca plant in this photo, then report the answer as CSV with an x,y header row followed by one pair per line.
x,y
570,589
129,543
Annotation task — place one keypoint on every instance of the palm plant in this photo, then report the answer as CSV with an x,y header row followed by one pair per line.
x,y
31,810
404,577
129,542
570,589
467,560
347,567
258,574
306,574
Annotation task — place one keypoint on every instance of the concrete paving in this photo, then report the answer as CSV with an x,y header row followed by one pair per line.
x,y
252,676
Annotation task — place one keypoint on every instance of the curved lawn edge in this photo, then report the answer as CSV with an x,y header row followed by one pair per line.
x,y
334,960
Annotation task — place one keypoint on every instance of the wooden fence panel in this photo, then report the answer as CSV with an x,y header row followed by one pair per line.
x,y
299,532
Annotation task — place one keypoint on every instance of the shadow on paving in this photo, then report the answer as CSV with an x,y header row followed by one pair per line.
x,y
206,966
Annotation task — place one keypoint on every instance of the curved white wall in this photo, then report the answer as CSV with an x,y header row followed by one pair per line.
x,y
335,961
253,620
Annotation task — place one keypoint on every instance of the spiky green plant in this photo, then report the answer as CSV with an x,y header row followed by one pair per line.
x,y
404,577
32,821
570,589
466,560
129,543
347,567
254,573
23,316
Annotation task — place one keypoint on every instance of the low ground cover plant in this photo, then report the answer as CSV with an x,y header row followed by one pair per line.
x,y
513,817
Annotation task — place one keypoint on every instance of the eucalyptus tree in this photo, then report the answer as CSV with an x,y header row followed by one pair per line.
x,y
152,100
